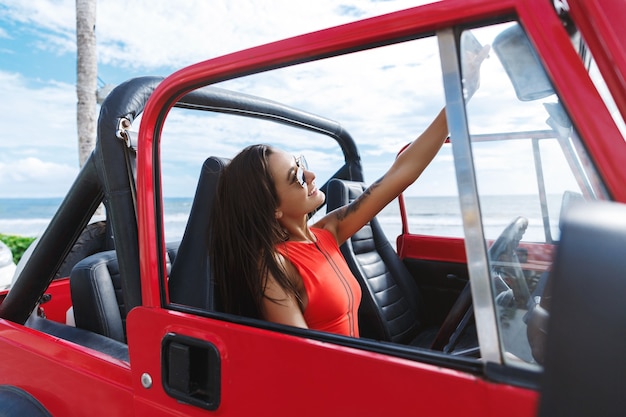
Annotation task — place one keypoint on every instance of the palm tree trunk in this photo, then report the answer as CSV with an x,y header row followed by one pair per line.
x,y
87,75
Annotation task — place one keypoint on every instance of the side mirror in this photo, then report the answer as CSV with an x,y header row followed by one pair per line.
x,y
522,64
586,338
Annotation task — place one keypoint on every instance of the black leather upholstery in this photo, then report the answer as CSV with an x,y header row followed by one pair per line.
x,y
190,281
97,295
390,306
585,366
96,289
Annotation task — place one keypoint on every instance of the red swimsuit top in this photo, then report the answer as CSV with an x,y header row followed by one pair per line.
x,y
333,293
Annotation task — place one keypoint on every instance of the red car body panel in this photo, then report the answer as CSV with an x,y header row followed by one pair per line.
x,y
53,370
328,375
60,300
600,24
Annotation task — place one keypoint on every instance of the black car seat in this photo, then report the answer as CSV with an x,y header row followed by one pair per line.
x,y
190,280
95,282
96,291
391,301
391,304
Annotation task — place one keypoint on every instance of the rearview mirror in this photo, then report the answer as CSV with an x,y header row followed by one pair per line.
x,y
522,64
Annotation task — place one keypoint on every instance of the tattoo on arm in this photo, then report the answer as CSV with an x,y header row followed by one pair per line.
x,y
354,206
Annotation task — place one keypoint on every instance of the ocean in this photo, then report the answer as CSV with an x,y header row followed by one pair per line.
x,y
439,216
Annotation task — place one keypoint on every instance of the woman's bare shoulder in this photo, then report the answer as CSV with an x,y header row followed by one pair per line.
x,y
330,221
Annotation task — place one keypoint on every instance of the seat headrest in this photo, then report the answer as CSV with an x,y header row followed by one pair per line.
x,y
341,192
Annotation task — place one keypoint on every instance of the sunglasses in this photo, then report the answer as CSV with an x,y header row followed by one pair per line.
x,y
301,167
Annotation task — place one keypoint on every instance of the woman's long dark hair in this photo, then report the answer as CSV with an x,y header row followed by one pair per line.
x,y
244,233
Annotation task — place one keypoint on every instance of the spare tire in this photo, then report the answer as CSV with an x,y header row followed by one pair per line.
x,y
92,240
15,402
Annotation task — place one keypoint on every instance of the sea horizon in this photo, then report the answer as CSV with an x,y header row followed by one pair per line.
x,y
433,215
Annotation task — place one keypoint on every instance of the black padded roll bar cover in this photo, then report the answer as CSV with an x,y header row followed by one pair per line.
x,y
125,101
226,101
585,361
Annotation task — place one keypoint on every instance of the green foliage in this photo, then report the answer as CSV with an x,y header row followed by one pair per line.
x,y
17,244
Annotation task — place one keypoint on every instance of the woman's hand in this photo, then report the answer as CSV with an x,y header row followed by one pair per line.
x,y
471,62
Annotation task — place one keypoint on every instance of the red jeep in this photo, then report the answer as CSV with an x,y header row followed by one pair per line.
x,y
494,286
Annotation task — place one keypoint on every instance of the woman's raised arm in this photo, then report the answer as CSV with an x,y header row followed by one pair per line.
x,y
345,221
408,166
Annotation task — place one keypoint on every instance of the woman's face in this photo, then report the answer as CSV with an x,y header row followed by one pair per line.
x,y
295,185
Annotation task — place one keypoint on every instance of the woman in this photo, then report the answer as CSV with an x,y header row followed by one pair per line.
x,y
266,258
268,263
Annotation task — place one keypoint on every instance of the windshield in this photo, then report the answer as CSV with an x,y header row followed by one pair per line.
x,y
530,166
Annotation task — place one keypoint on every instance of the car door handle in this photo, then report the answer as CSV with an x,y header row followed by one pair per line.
x,y
191,370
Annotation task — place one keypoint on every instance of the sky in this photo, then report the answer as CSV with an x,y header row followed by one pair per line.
x,y
38,143
384,96
38,147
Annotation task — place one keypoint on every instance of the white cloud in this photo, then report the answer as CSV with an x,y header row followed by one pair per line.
x,y
52,15
38,150
32,177
37,115
155,34
54,21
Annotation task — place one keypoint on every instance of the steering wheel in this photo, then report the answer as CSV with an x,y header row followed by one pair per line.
x,y
509,282
506,270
